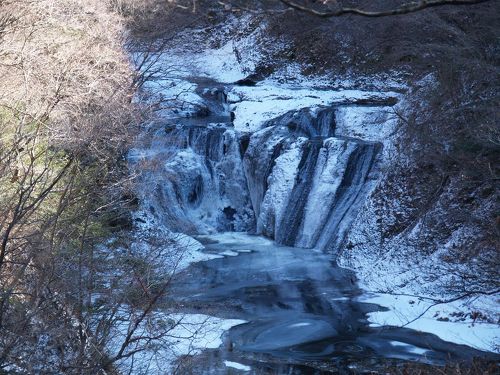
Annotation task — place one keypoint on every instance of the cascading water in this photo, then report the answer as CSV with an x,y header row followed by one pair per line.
x,y
294,181
288,229
306,184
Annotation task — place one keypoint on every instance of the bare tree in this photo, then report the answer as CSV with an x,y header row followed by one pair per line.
x,y
66,118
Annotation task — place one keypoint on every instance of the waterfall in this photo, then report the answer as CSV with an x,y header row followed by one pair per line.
x,y
308,199
295,180
199,187
348,196
326,183
292,220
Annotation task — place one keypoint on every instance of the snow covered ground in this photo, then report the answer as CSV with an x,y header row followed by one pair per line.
x,y
447,321
253,106
176,251
180,335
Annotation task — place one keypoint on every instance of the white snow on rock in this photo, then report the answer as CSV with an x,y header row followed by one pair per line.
x,y
411,348
225,64
253,106
237,366
176,252
238,238
333,157
229,253
365,122
233,60
281,183
192,253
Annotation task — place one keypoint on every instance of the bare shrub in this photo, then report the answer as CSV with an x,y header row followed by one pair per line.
x,y
66,118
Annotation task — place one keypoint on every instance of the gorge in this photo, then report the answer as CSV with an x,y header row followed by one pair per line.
x,y
298,179
249,187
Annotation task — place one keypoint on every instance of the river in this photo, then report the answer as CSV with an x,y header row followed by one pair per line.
x,y
302,310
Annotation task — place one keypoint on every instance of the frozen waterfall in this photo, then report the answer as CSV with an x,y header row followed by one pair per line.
x,y
297,180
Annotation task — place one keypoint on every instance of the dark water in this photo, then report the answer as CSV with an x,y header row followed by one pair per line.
x,y
302,311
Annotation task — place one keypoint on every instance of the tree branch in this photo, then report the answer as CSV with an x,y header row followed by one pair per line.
x,y
445,301
403,9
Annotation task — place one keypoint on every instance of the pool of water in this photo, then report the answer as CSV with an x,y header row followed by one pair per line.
x,y
303,313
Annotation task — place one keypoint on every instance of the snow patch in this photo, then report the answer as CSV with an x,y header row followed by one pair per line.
x,y
297,325
237,366
420,314
193,333
365,122
183,334
229,253
237,238
253,106
411,348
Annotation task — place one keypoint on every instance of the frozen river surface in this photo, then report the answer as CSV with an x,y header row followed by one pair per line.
x,y
302,310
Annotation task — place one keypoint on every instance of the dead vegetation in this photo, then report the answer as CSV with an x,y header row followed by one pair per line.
x,y
66,119
475,367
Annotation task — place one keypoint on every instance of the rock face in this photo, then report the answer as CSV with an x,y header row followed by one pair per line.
x,y
298,180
